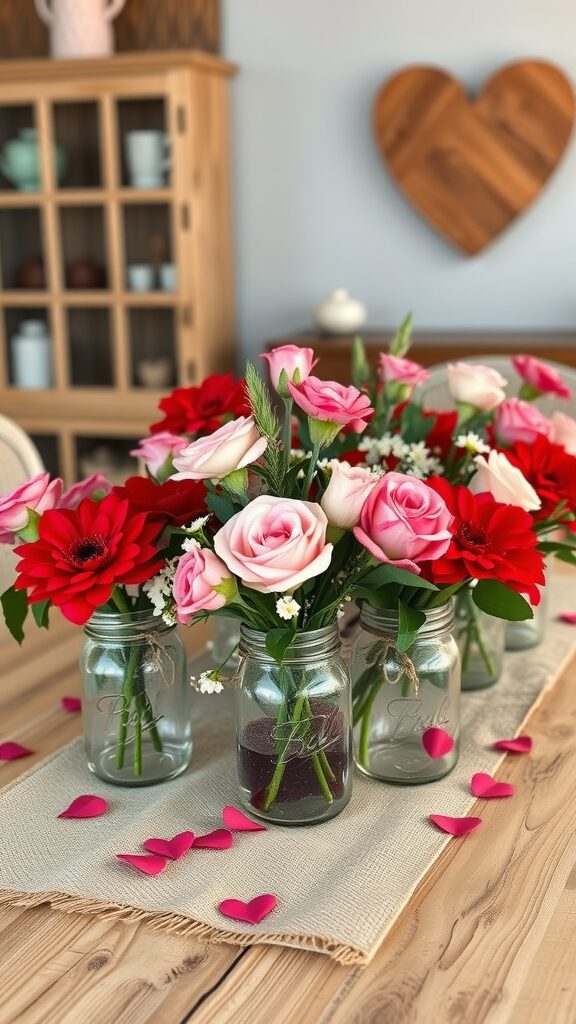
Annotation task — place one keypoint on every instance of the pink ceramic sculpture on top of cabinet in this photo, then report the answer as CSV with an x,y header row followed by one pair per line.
x,y
80,28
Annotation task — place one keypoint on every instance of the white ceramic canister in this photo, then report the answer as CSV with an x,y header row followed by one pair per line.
x,y
32,355
80,28
340,313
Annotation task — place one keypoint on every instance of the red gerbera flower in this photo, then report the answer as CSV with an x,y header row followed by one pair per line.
x,y
490,541
175,501
201,410
550,470
82,553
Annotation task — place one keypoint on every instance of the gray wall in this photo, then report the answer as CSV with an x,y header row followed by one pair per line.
x,y
314,207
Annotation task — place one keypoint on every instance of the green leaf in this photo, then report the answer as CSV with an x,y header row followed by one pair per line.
x,y
402,340
409,622
385,574
222,507
496,599
444,595
15,608
361,372
40,611
278,641
415,426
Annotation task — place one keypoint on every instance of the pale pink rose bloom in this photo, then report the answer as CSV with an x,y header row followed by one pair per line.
x,y
155,450
198,572
347,490
38,494
331,402
540,376
505,482
475,384
403,371
517,420
404,522
85,489
564,432
275,544
291,358
233,446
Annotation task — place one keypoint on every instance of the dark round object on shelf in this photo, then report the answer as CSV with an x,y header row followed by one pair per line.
x,y
31,274
84,274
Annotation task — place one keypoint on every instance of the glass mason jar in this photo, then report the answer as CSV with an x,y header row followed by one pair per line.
x,y
294,728
225,641
520,636
481,640
136,704
397,697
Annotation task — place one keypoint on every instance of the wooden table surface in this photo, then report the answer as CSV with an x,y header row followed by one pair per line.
x,y
490,935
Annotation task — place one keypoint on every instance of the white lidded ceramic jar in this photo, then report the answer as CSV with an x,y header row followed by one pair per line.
x,y
339,313
32,355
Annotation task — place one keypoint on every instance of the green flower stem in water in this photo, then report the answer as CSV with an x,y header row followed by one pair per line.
x,y
126,702
474,633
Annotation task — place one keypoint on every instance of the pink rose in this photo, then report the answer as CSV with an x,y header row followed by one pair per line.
x,y
541,377
517,420
158,450
331,402
275,544
347,490
404,522
295,360
564,432
233,446
505,482
37,494
198,572
476,385
95,484
403,371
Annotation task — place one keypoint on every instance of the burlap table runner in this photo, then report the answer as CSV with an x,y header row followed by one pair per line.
x,y
340,885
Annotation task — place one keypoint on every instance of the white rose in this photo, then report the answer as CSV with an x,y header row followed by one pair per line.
x,y
477,385
233,446
505,482
564,432
346,493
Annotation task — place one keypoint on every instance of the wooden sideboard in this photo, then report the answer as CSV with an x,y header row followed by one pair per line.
x,y
429,348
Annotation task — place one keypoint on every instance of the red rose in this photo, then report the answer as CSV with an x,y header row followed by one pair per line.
x,y
439,437
490,541
550,470
175,501
201,410
82,553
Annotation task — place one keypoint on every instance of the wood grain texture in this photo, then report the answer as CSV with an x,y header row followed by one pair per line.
x,y
472,167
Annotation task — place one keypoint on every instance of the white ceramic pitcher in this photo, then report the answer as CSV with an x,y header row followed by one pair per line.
x,y
80,28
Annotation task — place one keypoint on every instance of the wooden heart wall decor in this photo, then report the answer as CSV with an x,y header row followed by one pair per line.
x,y
472,166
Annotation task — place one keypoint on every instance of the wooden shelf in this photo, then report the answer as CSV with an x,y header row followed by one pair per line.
x,y
90,297
145,195
12,200
153,298
25,297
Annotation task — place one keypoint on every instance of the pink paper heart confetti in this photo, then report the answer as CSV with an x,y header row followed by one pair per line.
x,y
148,865
437,742
568,617
173,848
10,751
519,745
455,826
86,806
220,839
253,912
71,704
238,822
485,786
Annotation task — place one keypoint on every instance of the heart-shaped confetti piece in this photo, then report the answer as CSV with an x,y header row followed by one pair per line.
x,y
238,822
485,786
71,704
253,912
173,848
12,751
220,839
148,865
437,742
519,745
455,826
568,617
86,806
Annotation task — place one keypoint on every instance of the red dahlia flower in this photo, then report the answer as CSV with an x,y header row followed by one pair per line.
x,y
175,501
490,541
201,410
81,554
550,470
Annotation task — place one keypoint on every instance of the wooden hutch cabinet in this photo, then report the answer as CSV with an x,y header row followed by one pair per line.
x,y
74,241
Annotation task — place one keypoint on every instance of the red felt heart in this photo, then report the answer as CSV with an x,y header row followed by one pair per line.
x,y
253,912
173,848
220,839
238,822
437,742
12,751
519,745
568,617
455,826
148,865
71,704
86,806
485,786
